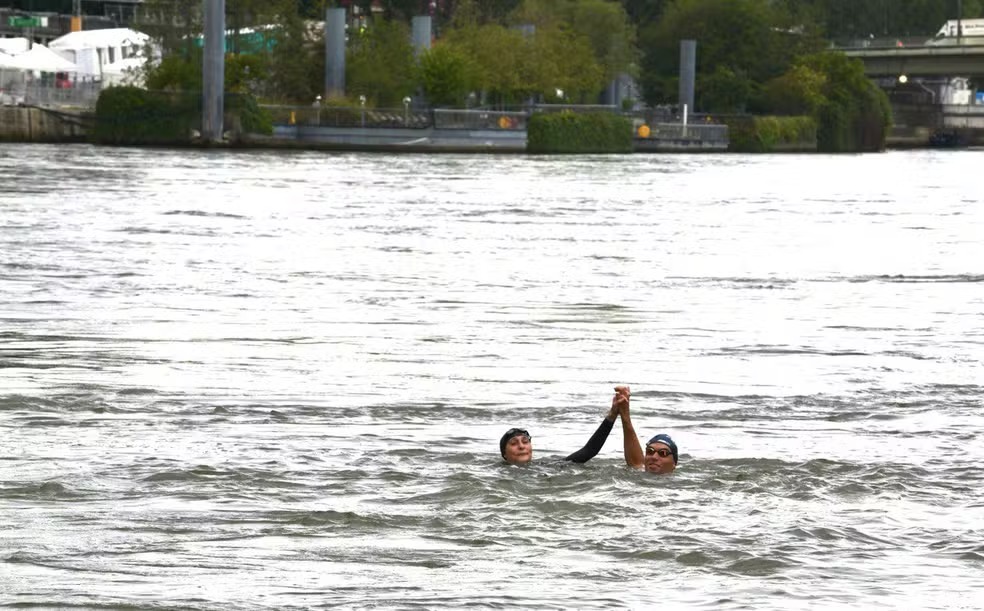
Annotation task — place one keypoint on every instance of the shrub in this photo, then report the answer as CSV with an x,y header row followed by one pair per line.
x,y
252,118
768,134
569,132
130,115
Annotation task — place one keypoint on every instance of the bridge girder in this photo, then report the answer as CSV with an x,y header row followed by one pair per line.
x,y
922,61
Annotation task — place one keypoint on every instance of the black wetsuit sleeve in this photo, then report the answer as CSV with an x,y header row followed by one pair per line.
x,y
594,445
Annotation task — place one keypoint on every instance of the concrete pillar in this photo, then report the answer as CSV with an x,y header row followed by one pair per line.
x,y
213,71
611,95
421,34
688,73
334,52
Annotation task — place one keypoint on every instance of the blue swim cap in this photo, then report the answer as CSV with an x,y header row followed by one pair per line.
x,y
667,440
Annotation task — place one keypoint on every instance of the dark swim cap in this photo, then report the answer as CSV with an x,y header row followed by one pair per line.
x,y
509,435
667,440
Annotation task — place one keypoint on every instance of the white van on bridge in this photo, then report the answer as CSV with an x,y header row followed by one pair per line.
x,y
970,28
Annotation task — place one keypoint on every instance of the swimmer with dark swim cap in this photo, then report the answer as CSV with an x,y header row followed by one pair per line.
x,y
516,446
661,454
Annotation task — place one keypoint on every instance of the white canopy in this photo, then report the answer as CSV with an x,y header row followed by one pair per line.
x,y
39,58
14,45
98,39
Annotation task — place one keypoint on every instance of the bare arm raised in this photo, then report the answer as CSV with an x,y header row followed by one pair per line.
x,y
630,441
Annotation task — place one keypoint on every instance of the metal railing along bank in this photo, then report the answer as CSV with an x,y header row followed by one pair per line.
x,y
705,132
81,94
437,118
659,129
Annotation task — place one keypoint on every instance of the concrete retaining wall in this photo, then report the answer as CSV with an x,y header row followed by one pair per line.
x,y
393,139
29,124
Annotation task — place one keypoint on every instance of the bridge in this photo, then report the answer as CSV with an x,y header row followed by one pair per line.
x,y
965,60
919,118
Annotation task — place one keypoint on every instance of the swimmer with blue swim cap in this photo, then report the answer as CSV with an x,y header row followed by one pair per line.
x,y
661,455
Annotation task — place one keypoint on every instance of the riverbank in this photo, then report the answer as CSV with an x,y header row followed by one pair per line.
x,y
45,125
32,124
35,124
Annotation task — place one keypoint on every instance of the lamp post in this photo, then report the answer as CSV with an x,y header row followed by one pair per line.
x,y
362,103
317,104
406,111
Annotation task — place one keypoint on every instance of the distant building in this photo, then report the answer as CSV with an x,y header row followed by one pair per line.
x,y
44,20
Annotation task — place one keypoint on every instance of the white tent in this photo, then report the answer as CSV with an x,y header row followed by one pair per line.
x,y
40,59
89,39
14,46
92,50
6,61
11,81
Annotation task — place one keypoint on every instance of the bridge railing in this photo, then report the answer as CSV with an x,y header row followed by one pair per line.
x,y
881,42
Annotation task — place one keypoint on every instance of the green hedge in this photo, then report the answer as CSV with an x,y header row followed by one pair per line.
x,y
769,134
569,132
130,115
252,118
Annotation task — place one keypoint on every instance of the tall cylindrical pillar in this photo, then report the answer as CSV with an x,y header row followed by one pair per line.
x,y
421,25
688,72
213,70
334,52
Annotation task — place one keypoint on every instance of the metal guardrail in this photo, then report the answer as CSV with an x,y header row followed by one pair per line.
x,y
575,108
479,119
41,93
396,118
881,42
694,131
77,94
470,119
349,117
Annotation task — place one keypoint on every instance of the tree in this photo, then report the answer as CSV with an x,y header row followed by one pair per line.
x,y
173,25
296,62
854,114
561,59
724,91
497,53
747,37
380,63
604,24
797,92
644,12
610,33
446,75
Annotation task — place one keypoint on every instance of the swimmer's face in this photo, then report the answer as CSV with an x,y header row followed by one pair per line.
x,y
659,458
519,450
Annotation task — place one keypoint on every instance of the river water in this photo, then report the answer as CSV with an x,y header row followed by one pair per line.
x,y
264,380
